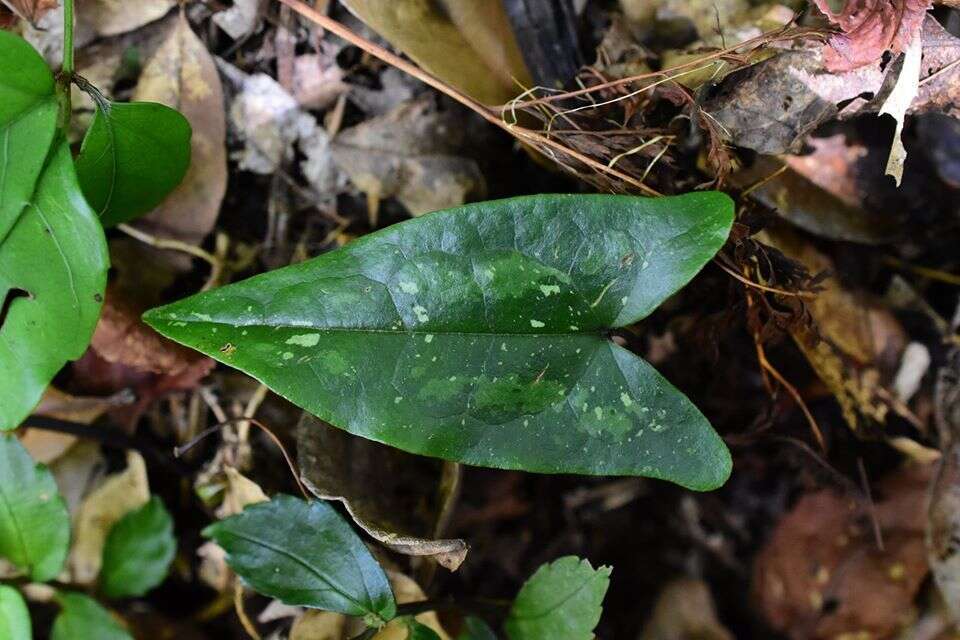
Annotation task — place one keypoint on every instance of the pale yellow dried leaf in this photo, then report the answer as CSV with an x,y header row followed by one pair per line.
x,y
119,494
182,74
406,590
240,492
897,103
318,625
113,17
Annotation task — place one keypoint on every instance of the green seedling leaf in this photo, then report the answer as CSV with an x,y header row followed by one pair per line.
x,y
476,629
138,551
479,334
418,631
563,599
133,155
53,271
34,523
81,618
14,617
303,553
28,120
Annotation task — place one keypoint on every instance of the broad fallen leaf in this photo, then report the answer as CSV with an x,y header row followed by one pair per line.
x,y
869,28
398,498
112,17
182,74
685,611
318,625
120,494
46,446
240,492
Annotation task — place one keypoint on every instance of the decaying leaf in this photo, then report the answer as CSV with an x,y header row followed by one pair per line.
x,y
120,494
239,20
410,154
112,17
182,75
940,85
46,446
869,28
406,590
318,625
943,526
899,100
465,43
31,10
398,498
240,492
822,575
685,611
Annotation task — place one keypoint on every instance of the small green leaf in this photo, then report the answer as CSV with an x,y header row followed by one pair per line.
x,y
53,263
82,618
418,631
479,334
303,553
133,155
14,617
476,629
563,599
34,523
28,120
138,551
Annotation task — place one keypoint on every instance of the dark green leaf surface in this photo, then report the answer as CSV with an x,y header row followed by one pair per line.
x,y
138,551
14,617
81,618
563,599
303,553
133,155
34,523
476,629
478,334
28,120
55,260
418,631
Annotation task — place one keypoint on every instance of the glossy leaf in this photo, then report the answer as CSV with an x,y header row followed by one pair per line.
x,y
53,264
138,551
14,617
82,618
304,553
28,120
476,629
418,631
478,334
34,523
563,599
133,155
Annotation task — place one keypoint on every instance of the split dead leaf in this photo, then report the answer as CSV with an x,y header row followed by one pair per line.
x,y
897,103
182,74
119,494
400,499
470,45
113,17
869,28
685,611
409,154
821,575
31,10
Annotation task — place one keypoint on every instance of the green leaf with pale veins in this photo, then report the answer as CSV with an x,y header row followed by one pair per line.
x,y
304,553
14,617
563,599
138,551
133,155
82,618
479,334
28,120
34,523
53,271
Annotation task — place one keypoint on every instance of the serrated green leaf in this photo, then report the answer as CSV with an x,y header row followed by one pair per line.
x,y
133,155
54,260
28,121
14,617
34,523
478,334
304,553
563,599
418,631
138,551
82,618
476,629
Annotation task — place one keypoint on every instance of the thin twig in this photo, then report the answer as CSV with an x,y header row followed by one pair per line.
x,y
216,265
241,612
762,358
763,287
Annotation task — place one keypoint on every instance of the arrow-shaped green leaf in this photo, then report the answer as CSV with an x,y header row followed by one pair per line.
x,y
478,334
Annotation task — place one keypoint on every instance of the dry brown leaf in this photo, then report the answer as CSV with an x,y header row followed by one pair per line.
x,y
468,44
869,28
119,494
899,100
685,611
182,75
318,625
46,446
406,590
81,468
821,574
239,20
113,17
240,493
940,83
31,10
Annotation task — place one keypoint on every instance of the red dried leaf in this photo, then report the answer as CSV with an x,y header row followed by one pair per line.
x,y
869,28
31,10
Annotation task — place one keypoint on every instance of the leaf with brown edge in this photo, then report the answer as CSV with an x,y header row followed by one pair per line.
x,y
182,75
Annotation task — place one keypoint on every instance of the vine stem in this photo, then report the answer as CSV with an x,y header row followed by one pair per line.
x,y
68,38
